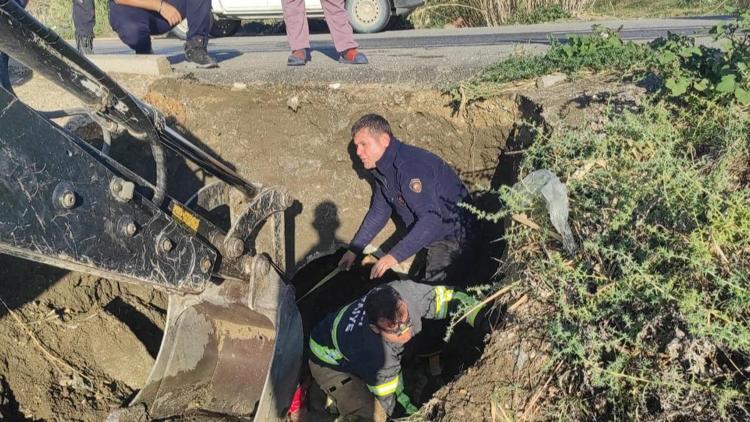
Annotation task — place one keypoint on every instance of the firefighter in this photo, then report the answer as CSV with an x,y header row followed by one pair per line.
x,y
424,192
355,353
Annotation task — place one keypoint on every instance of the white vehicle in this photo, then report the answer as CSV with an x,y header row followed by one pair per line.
x,y
365,15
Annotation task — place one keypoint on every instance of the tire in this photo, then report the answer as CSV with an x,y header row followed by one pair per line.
x,y
367,16
219,28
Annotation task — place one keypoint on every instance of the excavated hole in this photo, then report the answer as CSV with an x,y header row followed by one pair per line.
x,y
294,138
461,351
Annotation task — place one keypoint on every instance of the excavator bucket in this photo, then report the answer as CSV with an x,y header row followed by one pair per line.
x,y
222,354
232,345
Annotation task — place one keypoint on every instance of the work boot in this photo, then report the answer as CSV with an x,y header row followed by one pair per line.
x,y
195,53
352,56
85,44
297,58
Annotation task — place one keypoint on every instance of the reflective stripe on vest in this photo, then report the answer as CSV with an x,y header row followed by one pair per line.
x,y
325,354
442,297
387,388
329,355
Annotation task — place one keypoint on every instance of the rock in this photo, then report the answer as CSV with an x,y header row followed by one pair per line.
x,y
335,86
552,79
119,353
293,103
239,86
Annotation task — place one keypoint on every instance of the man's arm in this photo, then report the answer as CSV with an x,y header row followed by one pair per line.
x,y
387,385
435,302
166,10
374,221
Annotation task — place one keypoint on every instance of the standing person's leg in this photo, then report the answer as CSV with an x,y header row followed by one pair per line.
x,y
342,33
198,15
133,26
84,19
297,31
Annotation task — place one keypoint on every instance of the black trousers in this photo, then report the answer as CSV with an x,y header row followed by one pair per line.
x,y
84,17
445,262
135,26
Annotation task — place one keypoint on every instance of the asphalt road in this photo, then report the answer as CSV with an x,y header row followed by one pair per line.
x,y
438,58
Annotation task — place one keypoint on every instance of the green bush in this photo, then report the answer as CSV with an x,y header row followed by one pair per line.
x,y
696,74
604,50
541,14
650,318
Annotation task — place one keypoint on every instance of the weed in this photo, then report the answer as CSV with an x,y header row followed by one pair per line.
x,y
604,50
651,314
696,74
547,13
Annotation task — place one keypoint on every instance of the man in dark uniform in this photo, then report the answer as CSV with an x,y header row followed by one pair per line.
x,y
84,19
355,353
424,192
135,21
5,61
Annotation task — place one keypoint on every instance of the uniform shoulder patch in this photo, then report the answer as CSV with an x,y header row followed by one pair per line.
x,y
415,185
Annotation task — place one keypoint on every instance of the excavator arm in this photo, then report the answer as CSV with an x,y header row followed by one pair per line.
x,y
232,342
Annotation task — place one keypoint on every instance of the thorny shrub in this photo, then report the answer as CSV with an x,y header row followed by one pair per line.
x,y
603,50
651,317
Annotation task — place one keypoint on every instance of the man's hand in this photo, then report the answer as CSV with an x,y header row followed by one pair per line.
x,y
347,260
384,264
170,13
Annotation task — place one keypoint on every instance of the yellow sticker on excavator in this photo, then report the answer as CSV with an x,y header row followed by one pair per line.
x,y
186,217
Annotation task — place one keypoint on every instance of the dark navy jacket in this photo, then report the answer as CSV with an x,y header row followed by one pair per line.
x,y
357,350
423,191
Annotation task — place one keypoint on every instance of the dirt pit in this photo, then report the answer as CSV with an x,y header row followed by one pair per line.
x,y
75,346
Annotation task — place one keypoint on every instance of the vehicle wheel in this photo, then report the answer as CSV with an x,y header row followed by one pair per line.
x,y
219,28
368,15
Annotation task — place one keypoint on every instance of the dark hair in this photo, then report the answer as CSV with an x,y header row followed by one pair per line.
x,y
382,302
375,123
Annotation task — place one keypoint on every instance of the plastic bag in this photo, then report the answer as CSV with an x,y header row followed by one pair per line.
x,y
544,183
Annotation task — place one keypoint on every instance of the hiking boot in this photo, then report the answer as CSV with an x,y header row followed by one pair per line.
x,y
195,53
352,56
85,44
297,58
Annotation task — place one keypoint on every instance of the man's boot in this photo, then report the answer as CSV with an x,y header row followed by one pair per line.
x,y
85,44
196,53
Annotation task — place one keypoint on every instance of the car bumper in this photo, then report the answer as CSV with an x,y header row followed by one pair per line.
x,y
404,7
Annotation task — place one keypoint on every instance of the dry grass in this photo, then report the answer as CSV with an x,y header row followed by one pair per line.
x,y
487,12
57,15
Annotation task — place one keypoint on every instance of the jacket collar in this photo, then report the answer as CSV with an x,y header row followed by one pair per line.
x,y
389,157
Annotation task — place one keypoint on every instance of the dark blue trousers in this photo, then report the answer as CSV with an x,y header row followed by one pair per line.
x,y
4,73
135,26
84,17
